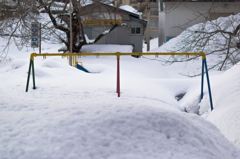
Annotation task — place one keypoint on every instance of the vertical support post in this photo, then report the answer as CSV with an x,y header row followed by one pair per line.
x,y
161,23
40,38
202,77
33,74
70,12
118,76
73,61
148,27
76,60
30,65
208,81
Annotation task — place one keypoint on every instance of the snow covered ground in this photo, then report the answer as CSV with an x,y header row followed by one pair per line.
x,y
77,115
74,115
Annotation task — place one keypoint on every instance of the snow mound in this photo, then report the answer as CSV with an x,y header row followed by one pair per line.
x,y
96,68
106,48
226,101
51,63
39,72
154,133
215,46
114,132
17,63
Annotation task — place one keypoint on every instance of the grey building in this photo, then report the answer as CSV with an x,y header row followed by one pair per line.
x,y
186,14
152,18
130,31
174,16
177,16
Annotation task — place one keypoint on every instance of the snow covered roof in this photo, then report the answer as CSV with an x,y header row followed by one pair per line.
x,y
130,9
124,9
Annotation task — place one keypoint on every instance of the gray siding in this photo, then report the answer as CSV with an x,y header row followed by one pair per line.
x,y
120,35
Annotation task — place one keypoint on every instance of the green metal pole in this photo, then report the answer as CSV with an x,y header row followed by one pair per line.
x,y
33,74
30,64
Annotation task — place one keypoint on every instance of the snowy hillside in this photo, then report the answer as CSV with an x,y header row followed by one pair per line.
x,y
216,43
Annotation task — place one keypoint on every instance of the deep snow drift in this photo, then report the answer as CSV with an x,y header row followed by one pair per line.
x,y
225,90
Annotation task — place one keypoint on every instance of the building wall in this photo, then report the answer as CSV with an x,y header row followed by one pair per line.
x,y
185,12
153,17
120,35
136,40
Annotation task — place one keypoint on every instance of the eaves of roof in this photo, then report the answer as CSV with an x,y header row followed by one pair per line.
x,y
119,9
138,19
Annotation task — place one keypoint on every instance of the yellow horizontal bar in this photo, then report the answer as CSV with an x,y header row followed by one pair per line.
x,y
114,54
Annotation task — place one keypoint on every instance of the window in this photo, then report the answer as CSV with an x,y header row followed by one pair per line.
x,y
119,1
214,16
153,24
169,38
135,7
136,30
153,11
133,1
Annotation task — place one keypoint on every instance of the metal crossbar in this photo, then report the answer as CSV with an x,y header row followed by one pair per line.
x,y
118,54
115,54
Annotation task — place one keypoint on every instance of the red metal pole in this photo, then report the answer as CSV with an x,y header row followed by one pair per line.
x,y
118,77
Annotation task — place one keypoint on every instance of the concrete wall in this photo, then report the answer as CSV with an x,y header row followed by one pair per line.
x,y
179,14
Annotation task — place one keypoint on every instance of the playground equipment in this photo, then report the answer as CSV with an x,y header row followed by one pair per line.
x,y
80,67
118,54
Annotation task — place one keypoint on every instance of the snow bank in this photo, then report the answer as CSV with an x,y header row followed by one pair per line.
x,y
153,45
18,63
215,46
94,48
113,131
226,101
225,95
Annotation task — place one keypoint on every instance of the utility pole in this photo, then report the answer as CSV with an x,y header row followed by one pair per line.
x,y
70,12
40,38
161,23
148,26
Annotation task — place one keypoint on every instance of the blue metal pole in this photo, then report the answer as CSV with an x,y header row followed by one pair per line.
x,y
202,78
209,88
